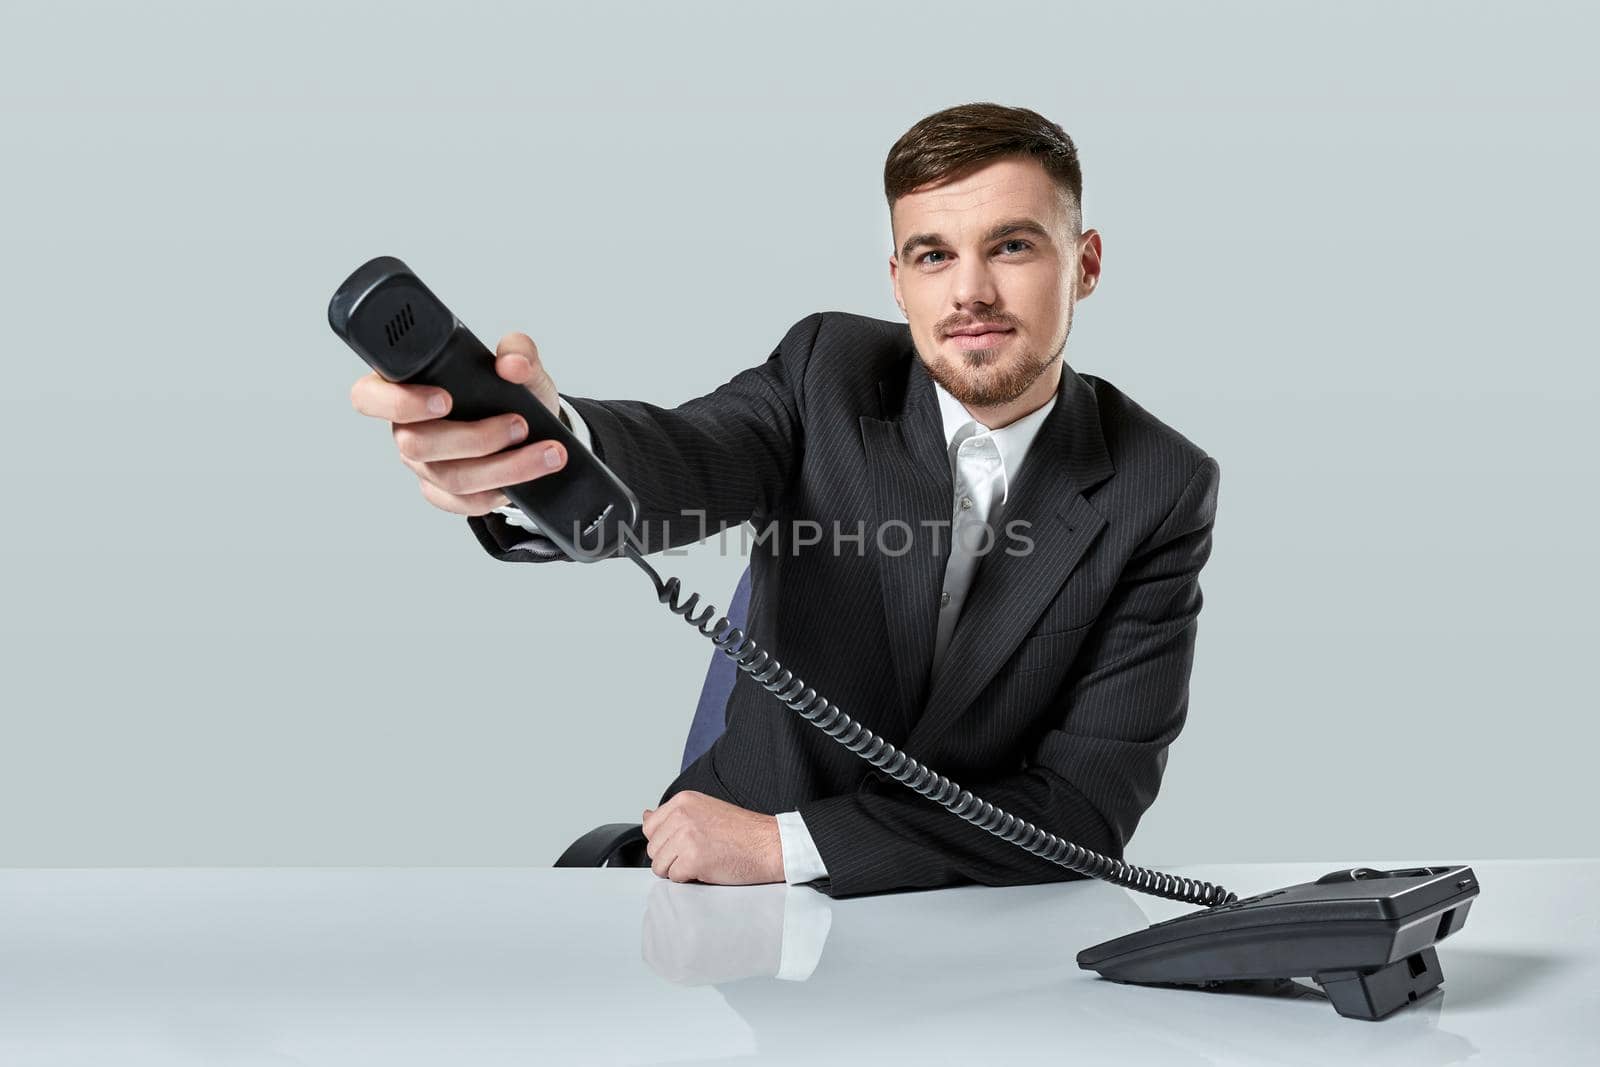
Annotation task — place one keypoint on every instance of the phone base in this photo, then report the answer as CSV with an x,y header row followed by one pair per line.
x,y
1365,936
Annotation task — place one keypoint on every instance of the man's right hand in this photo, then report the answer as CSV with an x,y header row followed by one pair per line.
x,y
460,465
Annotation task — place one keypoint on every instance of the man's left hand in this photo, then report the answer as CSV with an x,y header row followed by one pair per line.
x,y
694,837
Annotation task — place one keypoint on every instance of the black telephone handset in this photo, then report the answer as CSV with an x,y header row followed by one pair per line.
x,y
406,334
1365,936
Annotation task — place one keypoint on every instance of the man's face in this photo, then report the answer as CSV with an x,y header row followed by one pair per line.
x,y
995,247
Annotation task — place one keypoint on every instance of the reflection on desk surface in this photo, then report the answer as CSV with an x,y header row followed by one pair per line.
x,y
617,966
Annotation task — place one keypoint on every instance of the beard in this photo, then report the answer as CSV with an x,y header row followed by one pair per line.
x,y
987,378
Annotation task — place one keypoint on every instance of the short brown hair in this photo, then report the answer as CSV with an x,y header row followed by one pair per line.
x,y
949,143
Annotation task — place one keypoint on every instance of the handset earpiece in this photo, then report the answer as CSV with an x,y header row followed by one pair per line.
x,y
405,333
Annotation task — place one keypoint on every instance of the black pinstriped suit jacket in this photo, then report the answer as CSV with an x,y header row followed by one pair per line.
x,y
1068,673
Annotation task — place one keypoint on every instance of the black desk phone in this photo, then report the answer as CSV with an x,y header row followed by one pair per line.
x,y
1365,936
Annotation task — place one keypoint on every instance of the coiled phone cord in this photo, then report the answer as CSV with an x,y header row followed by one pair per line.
x,y
827,717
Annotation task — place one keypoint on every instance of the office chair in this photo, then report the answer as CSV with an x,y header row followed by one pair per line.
x,y
622,844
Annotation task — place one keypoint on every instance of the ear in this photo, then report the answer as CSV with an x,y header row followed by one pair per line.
x,y
1089,262
894,280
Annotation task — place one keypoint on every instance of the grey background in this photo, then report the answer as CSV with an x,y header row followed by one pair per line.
x,y
1348,249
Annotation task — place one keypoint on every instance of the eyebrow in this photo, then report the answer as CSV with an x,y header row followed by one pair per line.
x,y
1001,229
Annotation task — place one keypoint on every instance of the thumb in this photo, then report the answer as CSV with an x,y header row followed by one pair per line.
x,y
514,367
517,360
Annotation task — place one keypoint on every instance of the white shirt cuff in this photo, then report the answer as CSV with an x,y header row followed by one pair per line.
x,y
580,430
801,861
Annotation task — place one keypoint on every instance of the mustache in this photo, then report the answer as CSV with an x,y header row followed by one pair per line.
x,y
1004,322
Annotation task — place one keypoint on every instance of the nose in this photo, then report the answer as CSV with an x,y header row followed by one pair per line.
x,y
972,282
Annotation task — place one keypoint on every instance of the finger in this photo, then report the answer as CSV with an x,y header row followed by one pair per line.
x,y
472,504
682,868
665,852
663,824
518,343
442,439
372,395
654,816
463,477
654,844
516,358
514,368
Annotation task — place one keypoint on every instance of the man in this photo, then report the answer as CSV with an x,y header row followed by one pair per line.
x,y
1007,584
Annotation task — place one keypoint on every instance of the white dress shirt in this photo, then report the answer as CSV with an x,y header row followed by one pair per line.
x,y
983,465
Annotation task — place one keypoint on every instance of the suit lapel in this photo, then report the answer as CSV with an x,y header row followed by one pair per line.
x,y
911,484
1011,589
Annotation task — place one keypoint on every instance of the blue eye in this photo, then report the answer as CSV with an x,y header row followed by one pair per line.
x,y
1014,241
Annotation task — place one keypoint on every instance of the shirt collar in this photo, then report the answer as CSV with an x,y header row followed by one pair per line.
x,y
1011,441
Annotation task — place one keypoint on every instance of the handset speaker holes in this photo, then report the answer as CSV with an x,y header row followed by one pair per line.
x,y
400,325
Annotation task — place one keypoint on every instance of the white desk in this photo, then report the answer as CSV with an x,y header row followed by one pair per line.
x,y
542,966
